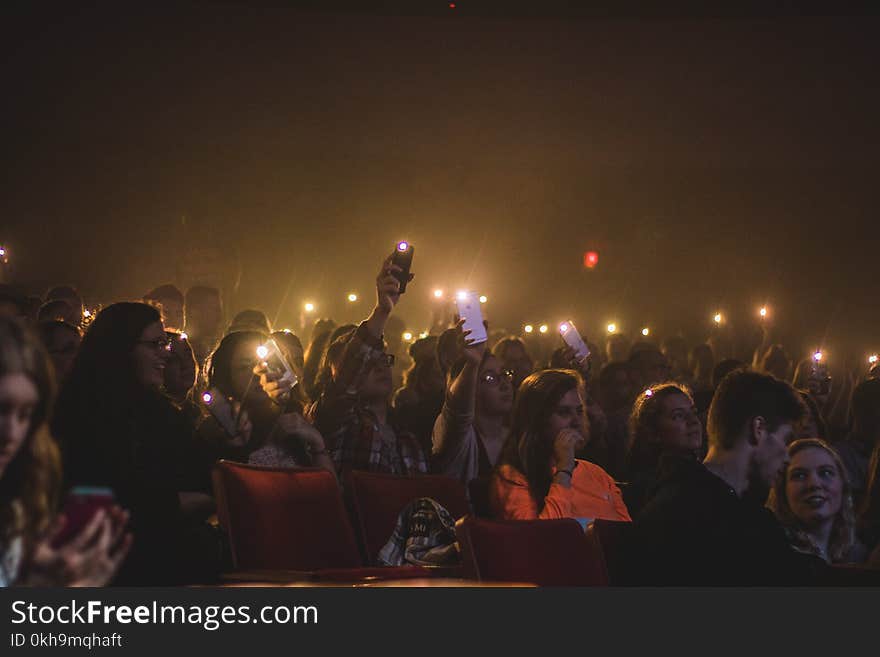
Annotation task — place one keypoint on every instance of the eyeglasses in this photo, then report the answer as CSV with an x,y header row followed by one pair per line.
x,y
383,359
158,344
492,379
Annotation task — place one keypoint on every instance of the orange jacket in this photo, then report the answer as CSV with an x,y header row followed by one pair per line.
x,y
593,494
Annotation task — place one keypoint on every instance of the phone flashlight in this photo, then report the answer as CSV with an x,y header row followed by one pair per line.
x,y
352,297
309,307
718,318
184,336
262,352
407,336
612,328
483,298
543,328
763,312
402,246
563,328
872,359
528,328
438,294
817,357
207,397
646,332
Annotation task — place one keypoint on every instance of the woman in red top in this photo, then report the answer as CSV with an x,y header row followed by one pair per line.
x,y
538,475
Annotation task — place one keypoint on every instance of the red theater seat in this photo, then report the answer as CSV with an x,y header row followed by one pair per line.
x,y
544,552
377,499
283,519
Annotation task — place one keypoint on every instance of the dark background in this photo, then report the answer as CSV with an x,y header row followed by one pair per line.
x,y
715,160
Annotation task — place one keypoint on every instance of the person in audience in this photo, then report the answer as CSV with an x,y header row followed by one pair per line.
x,y
57,310
352,412
855,451
417,404
117,430
72,298
665,428
813,425
30,481
170,300
272,430
647,366
617,347
700,526
181,371
250,320
616,393
775,361
868,525
674,350
538,475
12,301
813,502
61,340
513,355
312,365
469,432
204,318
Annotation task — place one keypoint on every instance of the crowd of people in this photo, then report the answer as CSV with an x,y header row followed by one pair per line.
x,y
724,470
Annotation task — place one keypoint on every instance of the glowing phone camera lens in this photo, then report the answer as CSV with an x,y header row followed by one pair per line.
x,y
207,397
563,328
872,359
528,328
262,352
543,328
646,332
818,356
611,328
402,246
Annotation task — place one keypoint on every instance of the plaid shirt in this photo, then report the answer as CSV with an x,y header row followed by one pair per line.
x,y
354,438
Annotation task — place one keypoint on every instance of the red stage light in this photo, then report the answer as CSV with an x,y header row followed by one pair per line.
x,y
591,259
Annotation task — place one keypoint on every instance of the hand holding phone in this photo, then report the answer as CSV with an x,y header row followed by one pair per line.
x,y
402,257
468,304
220,408
81,505
573,339
270,354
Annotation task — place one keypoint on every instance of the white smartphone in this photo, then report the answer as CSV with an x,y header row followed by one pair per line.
x,y
573,339
468,304
270,353
218,406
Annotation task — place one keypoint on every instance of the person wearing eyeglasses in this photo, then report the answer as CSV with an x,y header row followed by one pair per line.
x,y
538,476
353,412
118,430
469,432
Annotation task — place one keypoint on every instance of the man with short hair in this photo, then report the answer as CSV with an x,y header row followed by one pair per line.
x,y
700,527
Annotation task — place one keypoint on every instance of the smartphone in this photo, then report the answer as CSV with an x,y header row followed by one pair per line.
x,y
403,255
271,354
218,406
468,304
573,339
81,505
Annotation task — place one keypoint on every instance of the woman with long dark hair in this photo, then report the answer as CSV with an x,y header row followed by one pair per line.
x,y
118,430
538,475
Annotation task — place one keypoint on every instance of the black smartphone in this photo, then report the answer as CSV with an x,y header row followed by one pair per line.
x,y
403,255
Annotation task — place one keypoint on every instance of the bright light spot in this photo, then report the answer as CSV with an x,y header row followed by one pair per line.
x,y
763,312
2,252
423,335
646,331
563,327
543,328
352,297
407,336
184,336
718,318
288,331
462,295
612,328
262,352
207,397
87,313
309,307
528,328
483,298
649,393
872,359
438,294
402,246
818,356
591,259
